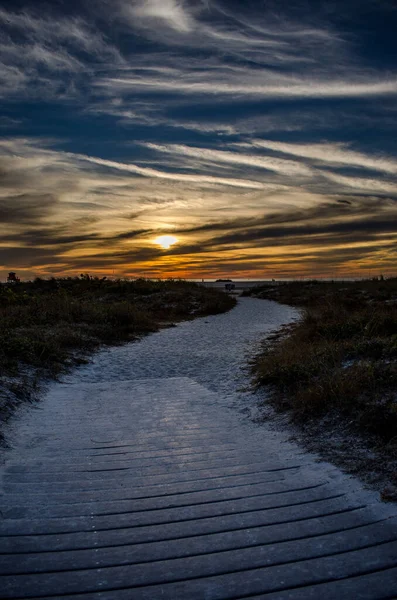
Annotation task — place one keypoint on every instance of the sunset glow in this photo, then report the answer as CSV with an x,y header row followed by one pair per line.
x,y
260,134
166,241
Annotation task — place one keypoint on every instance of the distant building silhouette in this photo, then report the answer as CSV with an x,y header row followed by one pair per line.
x,y
12,277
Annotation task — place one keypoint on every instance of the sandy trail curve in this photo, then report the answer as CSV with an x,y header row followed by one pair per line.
x,y
142,476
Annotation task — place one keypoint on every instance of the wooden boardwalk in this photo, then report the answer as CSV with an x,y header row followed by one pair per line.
x,y
152,489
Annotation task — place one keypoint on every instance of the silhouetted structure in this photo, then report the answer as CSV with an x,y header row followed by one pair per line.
x,y
12,278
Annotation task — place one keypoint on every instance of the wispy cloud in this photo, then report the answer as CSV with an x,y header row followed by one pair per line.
x,y
101,198
36,49
270,39
253,84
25,209
74,32
184,177
176,100
270,163
172,13
245,54
331,154
364,184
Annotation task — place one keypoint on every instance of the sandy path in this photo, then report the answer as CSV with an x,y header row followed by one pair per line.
x,y
142,476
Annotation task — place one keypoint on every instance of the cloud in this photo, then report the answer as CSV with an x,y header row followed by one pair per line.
x,y
243,54
309,234
223,75
15,257
25,209
286,176
130,111
173,13
254,84
261,206
331,154
329,226
265,37
363,184
287,167
9,122
182,177
36,51
58,31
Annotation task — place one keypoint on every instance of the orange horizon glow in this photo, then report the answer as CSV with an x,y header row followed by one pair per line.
x,y
151,272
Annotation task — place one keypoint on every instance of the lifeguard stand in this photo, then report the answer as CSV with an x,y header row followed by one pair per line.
x,y
12,278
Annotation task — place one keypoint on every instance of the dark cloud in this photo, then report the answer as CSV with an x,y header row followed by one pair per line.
x,y
26,209
359,219
129,235
21,258
340,208
49,237
61,236
142,115
373,226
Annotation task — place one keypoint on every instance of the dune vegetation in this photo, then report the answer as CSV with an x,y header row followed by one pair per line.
x,y
338,362
341,354
48,326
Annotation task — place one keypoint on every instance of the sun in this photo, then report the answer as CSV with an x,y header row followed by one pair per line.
x,y
166,241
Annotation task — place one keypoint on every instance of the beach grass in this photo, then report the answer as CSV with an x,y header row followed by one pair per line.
x,y
341,355
48,326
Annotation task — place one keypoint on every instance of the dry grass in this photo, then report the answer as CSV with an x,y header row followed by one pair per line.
x,y
342,354
47,326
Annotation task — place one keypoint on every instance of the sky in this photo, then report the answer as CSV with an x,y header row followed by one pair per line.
x,y
260,135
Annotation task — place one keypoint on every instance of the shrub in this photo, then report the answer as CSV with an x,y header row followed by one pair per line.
x,y
46,325
339,356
